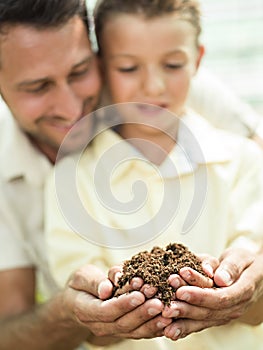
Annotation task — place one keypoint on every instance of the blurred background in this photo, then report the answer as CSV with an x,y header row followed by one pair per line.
x,y
233,36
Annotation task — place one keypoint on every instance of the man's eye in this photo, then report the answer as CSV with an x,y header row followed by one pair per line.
x,y
79,73
41,88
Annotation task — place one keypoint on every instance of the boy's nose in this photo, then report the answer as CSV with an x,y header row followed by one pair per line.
x,y
154,83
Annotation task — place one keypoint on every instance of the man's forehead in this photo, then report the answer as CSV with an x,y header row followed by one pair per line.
x,y
24,46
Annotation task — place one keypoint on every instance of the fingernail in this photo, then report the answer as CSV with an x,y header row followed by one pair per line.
x,y
136,284
161,325
135,302
101,288
185,297
208,269
186,274
176,283
225,277
153,312
177,333
175,313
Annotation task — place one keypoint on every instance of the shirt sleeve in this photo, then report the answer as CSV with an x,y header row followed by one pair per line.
x,y
247,197
66,249
217,103
14,253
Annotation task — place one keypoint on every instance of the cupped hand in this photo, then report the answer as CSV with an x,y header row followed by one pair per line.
x,y
240,276
127,316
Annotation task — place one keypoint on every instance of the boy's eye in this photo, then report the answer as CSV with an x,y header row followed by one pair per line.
x,y
127,69
173,65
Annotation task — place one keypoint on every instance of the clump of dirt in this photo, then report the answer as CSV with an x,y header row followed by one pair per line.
x,y
156,266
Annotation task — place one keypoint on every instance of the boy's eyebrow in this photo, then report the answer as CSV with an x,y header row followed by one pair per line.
x,y
176,51
27,83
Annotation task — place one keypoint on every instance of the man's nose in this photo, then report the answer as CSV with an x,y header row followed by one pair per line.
x,y
67,104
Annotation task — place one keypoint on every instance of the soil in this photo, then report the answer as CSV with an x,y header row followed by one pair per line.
x,y
156,266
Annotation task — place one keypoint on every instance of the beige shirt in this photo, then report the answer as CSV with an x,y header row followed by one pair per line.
x,y
216,102
22,174
206,194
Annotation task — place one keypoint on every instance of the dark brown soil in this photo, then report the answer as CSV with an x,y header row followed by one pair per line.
x,y
156,266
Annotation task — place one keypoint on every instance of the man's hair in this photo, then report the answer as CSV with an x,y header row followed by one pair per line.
x,y
40,14
186,9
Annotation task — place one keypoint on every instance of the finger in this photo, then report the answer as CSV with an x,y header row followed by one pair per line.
x,y
194,278
115,273
179,309
135,284
88,308
149,291
214,298
149,329
176,281
91,280
233,263
186,311
209,263
181,328
131,320
142,314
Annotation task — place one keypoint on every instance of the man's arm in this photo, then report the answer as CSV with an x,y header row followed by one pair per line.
x,y
17,291
74,315
26,326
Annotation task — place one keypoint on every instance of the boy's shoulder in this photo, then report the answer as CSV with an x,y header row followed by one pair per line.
x,y
218,144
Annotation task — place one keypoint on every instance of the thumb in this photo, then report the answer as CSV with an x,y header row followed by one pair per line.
x,y
92,280
232,263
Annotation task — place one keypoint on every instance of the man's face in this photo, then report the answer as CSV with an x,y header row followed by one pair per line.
x,y
49,79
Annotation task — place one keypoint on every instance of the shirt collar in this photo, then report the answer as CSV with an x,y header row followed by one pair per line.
x,y
18,157
198,143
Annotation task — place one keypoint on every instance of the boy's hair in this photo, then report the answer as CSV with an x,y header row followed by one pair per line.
x,y
188,10
40,14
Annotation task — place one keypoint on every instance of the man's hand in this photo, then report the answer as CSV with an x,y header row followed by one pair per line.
x,y
126,316
240,278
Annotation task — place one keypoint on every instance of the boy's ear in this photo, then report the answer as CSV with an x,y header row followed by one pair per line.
x,y
200,54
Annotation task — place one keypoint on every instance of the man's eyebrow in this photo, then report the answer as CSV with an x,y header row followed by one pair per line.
x,y
27,83
84,61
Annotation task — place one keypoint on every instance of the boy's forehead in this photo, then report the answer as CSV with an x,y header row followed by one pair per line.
x,y
130,30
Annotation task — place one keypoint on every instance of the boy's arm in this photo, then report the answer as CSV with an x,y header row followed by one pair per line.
x,y
239,274
217,103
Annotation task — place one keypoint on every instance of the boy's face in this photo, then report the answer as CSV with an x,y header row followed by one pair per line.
x,y
49,79
150,61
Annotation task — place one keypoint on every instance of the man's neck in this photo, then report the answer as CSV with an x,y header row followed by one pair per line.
x,y
49,151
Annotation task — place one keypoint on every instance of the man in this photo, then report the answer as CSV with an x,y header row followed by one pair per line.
x,y
49,80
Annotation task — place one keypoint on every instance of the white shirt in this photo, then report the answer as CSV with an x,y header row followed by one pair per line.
x,y
22,174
